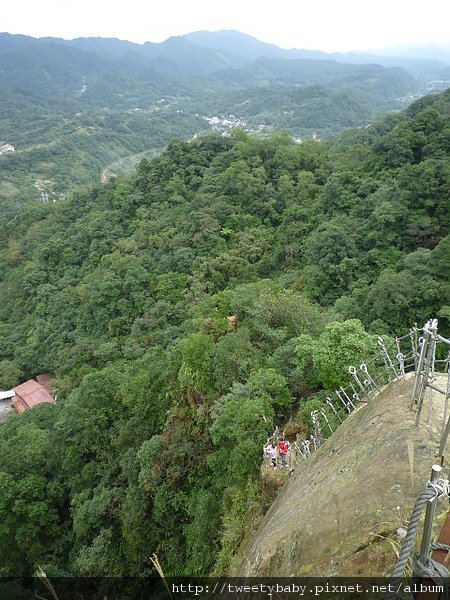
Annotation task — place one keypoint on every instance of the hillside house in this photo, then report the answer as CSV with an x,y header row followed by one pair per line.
x,y
30,394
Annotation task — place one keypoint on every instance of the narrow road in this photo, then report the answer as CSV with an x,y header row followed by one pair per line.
x,y
104,175
126,163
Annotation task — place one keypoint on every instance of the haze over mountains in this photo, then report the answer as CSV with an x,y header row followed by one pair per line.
x,y
90,102
202,53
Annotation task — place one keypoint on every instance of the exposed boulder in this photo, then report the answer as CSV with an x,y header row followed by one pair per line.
x,y
339,513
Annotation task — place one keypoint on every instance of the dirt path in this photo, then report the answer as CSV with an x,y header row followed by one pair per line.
x,y
104,175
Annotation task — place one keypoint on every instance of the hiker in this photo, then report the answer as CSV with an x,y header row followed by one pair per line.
x,y
306,447
283,449
273,454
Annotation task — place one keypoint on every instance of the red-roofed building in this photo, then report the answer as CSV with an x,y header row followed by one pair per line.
x,y
30,394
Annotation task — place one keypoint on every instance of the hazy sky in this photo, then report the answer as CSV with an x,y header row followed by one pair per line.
x,y
315,24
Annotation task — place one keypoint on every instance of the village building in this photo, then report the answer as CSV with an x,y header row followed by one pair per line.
x,y
30,394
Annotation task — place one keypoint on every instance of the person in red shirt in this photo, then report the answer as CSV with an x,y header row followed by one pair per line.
x,y
283,449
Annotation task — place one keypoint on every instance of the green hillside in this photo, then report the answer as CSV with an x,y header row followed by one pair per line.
x,y
123,292
71,149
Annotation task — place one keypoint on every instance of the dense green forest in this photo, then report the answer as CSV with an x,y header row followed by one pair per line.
x,y
123,292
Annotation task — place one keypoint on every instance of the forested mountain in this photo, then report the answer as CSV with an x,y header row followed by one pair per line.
x,y
73,109
233,49
60,67
56,151
419,62
123,292
296,72
32,64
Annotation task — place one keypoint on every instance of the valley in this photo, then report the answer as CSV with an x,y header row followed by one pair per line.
x,y
71,108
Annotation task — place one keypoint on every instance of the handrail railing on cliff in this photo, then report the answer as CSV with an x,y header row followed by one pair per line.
x,y
431,563
414,351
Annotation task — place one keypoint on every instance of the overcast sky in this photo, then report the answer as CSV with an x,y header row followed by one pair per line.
x,y
328,25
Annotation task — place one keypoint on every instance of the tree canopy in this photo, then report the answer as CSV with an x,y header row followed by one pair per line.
x,y
124,290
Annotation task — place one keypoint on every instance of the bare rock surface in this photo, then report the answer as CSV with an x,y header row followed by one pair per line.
x,y
339,512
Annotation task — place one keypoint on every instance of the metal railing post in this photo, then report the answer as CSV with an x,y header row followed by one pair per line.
x,y
429,517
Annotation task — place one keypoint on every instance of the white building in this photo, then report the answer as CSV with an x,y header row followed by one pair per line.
x,y
5,148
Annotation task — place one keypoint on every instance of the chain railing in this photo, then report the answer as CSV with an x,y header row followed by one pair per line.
x,y
413,351
431,344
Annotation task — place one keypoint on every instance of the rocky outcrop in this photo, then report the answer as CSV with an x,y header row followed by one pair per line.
x,y
340,511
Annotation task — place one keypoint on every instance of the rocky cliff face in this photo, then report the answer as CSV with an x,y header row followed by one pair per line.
x,y
340,511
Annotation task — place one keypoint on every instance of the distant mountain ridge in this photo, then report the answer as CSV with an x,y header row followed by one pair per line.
x,y
437,51
416,60
203,52
224,58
